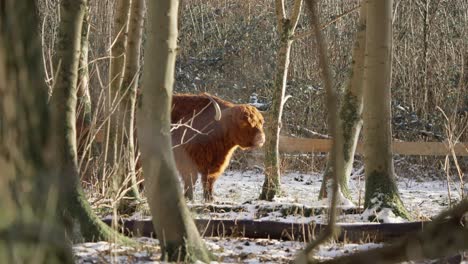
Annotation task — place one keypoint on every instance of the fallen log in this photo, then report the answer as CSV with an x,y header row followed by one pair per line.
x,y
353,233
263,210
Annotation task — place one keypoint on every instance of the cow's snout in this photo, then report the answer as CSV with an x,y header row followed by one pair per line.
x,y
259,139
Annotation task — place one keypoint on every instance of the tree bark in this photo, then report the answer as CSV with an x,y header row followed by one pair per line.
x,y
179,237
126,110
286,28
350,114
30,228
85,225
116,75
84,115
381,189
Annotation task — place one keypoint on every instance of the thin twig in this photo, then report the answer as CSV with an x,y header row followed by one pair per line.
x,y
324,26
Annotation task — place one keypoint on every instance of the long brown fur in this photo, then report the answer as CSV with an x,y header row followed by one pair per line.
x,y
205,146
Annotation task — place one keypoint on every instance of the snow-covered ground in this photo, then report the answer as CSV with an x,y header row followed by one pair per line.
x,y
227,250
235,189
423,199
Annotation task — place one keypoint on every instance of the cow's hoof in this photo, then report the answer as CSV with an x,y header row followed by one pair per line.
x,y
209,199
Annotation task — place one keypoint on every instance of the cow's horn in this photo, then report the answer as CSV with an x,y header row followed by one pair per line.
x,y
217,109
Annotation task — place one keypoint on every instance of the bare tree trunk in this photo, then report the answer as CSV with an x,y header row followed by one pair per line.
x,y
350,120
286,28
85,225
337,141
381,189
428,97
179,237
129,86
116,75
84,115
31,231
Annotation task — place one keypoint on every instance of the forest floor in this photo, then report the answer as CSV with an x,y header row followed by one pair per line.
x,y
236,192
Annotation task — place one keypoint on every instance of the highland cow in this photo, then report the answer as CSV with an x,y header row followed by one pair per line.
x,y
204,145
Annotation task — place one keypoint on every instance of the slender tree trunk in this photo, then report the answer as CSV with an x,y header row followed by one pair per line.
x,y
350,120
272,185
31,231
179,237
85,225
381,189
84,115
129,87
428,97
116,75
337,142
286,28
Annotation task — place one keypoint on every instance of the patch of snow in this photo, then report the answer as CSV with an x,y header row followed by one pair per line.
x,y
385,215
226,250
329,251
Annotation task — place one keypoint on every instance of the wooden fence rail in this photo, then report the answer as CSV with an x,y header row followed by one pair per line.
x,y
290,144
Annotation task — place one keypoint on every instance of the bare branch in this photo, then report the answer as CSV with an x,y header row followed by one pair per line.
x,y
323,26
295,14
280,14
331,229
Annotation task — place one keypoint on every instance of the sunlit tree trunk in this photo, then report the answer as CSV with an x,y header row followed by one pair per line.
x,y
286,28
350,115
381,188
85,225
177,233
116,75
130,82
84,115
31,230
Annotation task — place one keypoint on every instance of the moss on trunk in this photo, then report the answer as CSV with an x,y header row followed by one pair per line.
x,y
84,224
31,231
381,189
350,122
382,192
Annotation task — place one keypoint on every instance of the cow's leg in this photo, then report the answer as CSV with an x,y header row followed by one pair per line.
x,y
189,180
187,171
208,183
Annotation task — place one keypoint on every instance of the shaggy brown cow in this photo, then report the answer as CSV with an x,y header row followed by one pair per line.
x,y
203,145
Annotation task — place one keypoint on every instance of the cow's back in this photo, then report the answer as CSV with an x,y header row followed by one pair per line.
x,y
196,111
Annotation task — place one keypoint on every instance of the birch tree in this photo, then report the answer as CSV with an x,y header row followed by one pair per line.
x,y
286,28
350,114
381,189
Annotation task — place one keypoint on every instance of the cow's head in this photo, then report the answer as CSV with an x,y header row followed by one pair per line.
x,y
245,126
